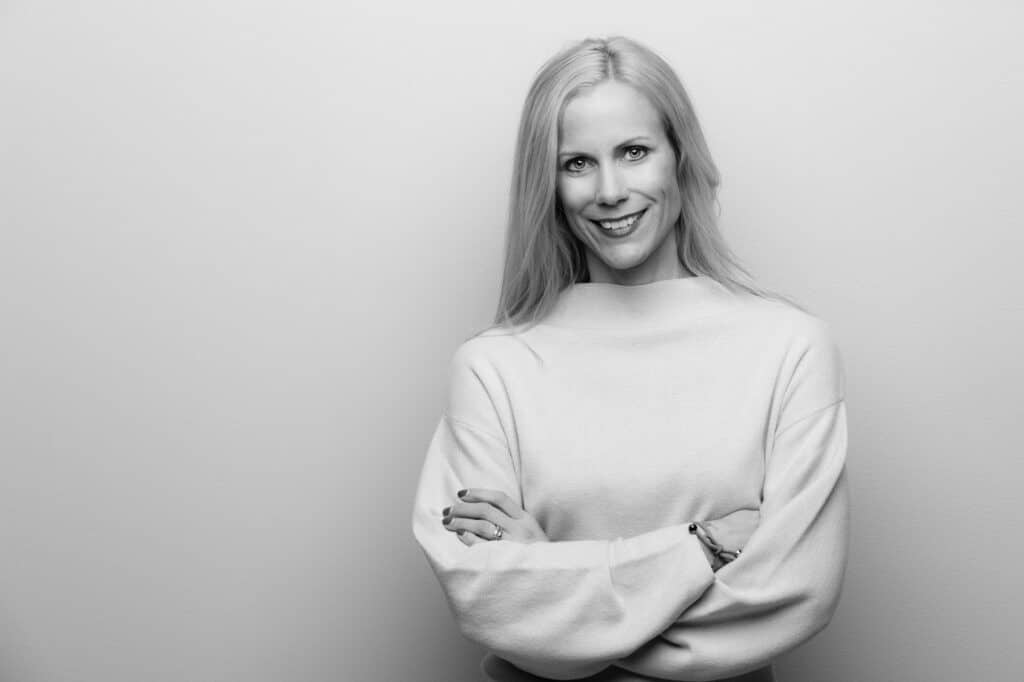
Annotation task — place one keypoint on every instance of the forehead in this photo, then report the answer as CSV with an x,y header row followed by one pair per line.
x,y
605,115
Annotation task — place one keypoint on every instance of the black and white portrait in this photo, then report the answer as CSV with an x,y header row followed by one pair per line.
x,y
551,341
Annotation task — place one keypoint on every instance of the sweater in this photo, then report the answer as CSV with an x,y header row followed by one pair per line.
x,y
626,414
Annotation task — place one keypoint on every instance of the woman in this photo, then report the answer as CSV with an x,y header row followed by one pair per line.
x,y
639,473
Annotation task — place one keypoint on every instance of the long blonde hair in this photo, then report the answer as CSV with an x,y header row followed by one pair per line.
x,y
542,256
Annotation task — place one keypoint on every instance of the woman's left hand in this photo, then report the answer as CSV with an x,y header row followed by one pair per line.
x,y
479,511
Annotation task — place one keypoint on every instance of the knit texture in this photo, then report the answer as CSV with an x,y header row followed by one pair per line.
x,y
628,413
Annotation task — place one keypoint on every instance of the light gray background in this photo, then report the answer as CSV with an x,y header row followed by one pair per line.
x,y
240,241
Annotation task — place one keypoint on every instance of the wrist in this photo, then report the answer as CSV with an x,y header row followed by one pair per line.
x,y
716,555
710,556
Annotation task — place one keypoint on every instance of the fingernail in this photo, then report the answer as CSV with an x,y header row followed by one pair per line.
x,y
445,511
446,520
462,493
460,531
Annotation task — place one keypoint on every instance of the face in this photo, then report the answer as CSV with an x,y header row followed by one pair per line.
x,y
617,185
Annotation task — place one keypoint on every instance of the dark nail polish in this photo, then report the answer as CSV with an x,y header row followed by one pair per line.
x,y
461,493
446,520
445,511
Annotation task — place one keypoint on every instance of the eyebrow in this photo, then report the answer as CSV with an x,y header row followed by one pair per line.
x,y
632,140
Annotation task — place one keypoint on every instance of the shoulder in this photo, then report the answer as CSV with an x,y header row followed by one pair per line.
x,y
811,342
813,375
810,362
481,360
477,381
490,350
798,330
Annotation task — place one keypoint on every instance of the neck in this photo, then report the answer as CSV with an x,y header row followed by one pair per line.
x,y
662,304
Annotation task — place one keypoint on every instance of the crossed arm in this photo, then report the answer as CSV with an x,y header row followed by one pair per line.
x,y
647,604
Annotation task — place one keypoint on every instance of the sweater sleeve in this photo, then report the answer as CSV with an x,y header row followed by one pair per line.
x,y
785,586
559,610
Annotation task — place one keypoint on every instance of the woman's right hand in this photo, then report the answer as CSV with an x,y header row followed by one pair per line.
x,y
731,531
479,511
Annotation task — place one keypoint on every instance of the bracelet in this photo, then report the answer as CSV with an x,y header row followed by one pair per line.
x,y
721,553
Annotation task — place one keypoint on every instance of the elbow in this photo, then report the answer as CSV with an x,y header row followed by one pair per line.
x,y
803,615
821,597
819,608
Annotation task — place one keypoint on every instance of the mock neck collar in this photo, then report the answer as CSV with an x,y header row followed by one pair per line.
x,y
662,304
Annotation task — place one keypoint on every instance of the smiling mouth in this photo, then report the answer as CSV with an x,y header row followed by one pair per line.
x,y
623,223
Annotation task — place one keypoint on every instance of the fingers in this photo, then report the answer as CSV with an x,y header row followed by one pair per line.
x,y
483,511
477,512
495,498
469,538
484,530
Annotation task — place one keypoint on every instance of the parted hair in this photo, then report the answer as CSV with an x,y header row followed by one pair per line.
x,y
542,256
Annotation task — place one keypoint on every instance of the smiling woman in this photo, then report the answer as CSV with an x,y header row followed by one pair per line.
x,y
640,470
617,179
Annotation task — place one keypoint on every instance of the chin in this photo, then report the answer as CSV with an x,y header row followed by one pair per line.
x,y
624,265
627,256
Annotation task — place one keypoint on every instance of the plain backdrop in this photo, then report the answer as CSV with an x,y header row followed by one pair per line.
x,y
241,240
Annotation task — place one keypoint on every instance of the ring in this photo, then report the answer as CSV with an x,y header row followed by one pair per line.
x,y
498,532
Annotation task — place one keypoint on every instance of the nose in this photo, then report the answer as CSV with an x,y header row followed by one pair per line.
x,y
611,189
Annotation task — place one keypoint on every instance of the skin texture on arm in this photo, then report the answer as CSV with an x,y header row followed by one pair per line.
x,y
560,610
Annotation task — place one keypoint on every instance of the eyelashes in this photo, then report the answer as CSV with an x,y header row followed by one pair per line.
x,y
639,150
575,165
578,164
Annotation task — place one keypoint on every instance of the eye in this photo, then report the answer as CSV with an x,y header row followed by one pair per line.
x,y
575,165
635,152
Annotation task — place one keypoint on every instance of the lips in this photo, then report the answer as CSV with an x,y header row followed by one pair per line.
x,y
620,223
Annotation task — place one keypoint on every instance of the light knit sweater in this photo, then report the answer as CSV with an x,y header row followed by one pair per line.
x,y
629,412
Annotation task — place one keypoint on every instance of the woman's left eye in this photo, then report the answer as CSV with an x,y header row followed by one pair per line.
x,y
635,153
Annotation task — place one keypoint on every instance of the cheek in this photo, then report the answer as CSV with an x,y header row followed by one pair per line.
x,y
573,194
660,180
673,197
665,184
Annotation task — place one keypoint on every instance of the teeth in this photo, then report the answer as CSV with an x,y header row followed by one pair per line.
x,y
619,224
